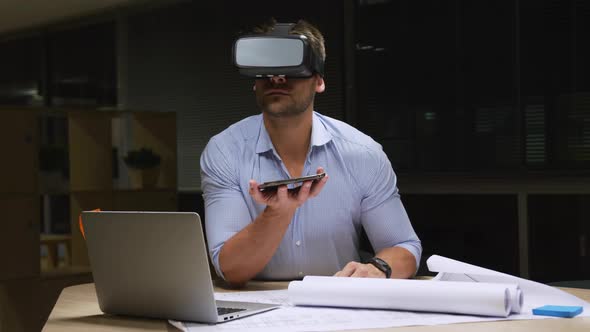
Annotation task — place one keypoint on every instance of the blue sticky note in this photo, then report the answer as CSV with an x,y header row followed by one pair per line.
x,y
558,311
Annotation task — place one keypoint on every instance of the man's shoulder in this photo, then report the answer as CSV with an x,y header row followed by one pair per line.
x,y
240,132
346,136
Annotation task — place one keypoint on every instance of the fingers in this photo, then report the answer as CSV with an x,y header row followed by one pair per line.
x,y
359,270
303,193
366,271
282,193
317,186
254,191
348,270
261,197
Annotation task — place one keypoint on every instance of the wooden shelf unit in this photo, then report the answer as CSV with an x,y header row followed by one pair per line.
x,y
92,137
90,141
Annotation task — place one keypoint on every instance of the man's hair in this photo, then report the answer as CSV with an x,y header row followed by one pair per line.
x,y
302,27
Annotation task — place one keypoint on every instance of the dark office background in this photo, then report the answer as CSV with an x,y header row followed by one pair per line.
x,y
483,106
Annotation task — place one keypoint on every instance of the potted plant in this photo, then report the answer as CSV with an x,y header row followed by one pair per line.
x,y
144,165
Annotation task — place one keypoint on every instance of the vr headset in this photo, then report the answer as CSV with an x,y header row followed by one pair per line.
x,y
277,53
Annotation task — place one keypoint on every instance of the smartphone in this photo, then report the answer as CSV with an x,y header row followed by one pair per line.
x,y
273,185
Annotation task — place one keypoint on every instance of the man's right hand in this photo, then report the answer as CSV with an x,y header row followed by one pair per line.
x,y
285,201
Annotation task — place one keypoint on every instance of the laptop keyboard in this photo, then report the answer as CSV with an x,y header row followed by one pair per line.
x,y
225,311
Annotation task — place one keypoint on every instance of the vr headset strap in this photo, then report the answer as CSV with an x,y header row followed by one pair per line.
x,y
281,29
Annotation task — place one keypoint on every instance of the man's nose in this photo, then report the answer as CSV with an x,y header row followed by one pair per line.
x,y
278,79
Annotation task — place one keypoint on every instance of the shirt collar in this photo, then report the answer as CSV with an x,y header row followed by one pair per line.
x,y
319,135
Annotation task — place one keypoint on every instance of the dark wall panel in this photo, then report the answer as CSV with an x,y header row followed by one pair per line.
x,y
478,229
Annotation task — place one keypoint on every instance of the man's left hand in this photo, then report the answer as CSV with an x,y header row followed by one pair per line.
x,y
359,270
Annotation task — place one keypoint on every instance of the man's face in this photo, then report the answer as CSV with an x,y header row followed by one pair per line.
x,y
284,97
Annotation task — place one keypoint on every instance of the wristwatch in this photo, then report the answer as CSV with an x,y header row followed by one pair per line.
x,y
381,265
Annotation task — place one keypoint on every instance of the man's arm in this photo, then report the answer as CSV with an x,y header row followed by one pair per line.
x,y
402,261
247,252
386,223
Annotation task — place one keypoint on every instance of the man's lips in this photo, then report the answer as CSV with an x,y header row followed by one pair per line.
x,y
276,92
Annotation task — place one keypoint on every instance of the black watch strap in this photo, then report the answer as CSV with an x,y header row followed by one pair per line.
x,y
381,265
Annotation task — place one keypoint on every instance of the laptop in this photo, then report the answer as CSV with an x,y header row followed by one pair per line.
x,y
155,264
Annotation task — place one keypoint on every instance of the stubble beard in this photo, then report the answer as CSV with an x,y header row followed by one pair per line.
x,y
275,107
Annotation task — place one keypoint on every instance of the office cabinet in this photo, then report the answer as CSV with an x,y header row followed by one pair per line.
x,y
19,305
19,224
19,236
18,143
559,237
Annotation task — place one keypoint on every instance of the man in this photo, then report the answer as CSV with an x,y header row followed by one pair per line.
x,y
314,231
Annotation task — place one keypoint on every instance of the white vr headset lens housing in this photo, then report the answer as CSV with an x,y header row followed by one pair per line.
x,y
278,53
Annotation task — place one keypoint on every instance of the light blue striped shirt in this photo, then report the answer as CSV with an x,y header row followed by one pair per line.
x,y
324,233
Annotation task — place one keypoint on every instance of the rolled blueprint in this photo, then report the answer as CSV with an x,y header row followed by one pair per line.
x,y
481,299
537,294
516,295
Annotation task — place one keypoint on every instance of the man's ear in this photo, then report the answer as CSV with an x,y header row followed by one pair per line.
x,y
320,85
254,87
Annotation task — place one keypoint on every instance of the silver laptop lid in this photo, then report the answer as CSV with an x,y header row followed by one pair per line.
x,y
150,264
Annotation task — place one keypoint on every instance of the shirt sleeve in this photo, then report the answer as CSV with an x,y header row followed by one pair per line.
x,y
383,215
226,212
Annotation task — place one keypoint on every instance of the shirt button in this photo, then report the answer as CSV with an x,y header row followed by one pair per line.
x,y
298,243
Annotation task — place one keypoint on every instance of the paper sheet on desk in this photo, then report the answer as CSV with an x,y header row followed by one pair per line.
x,y
289,318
